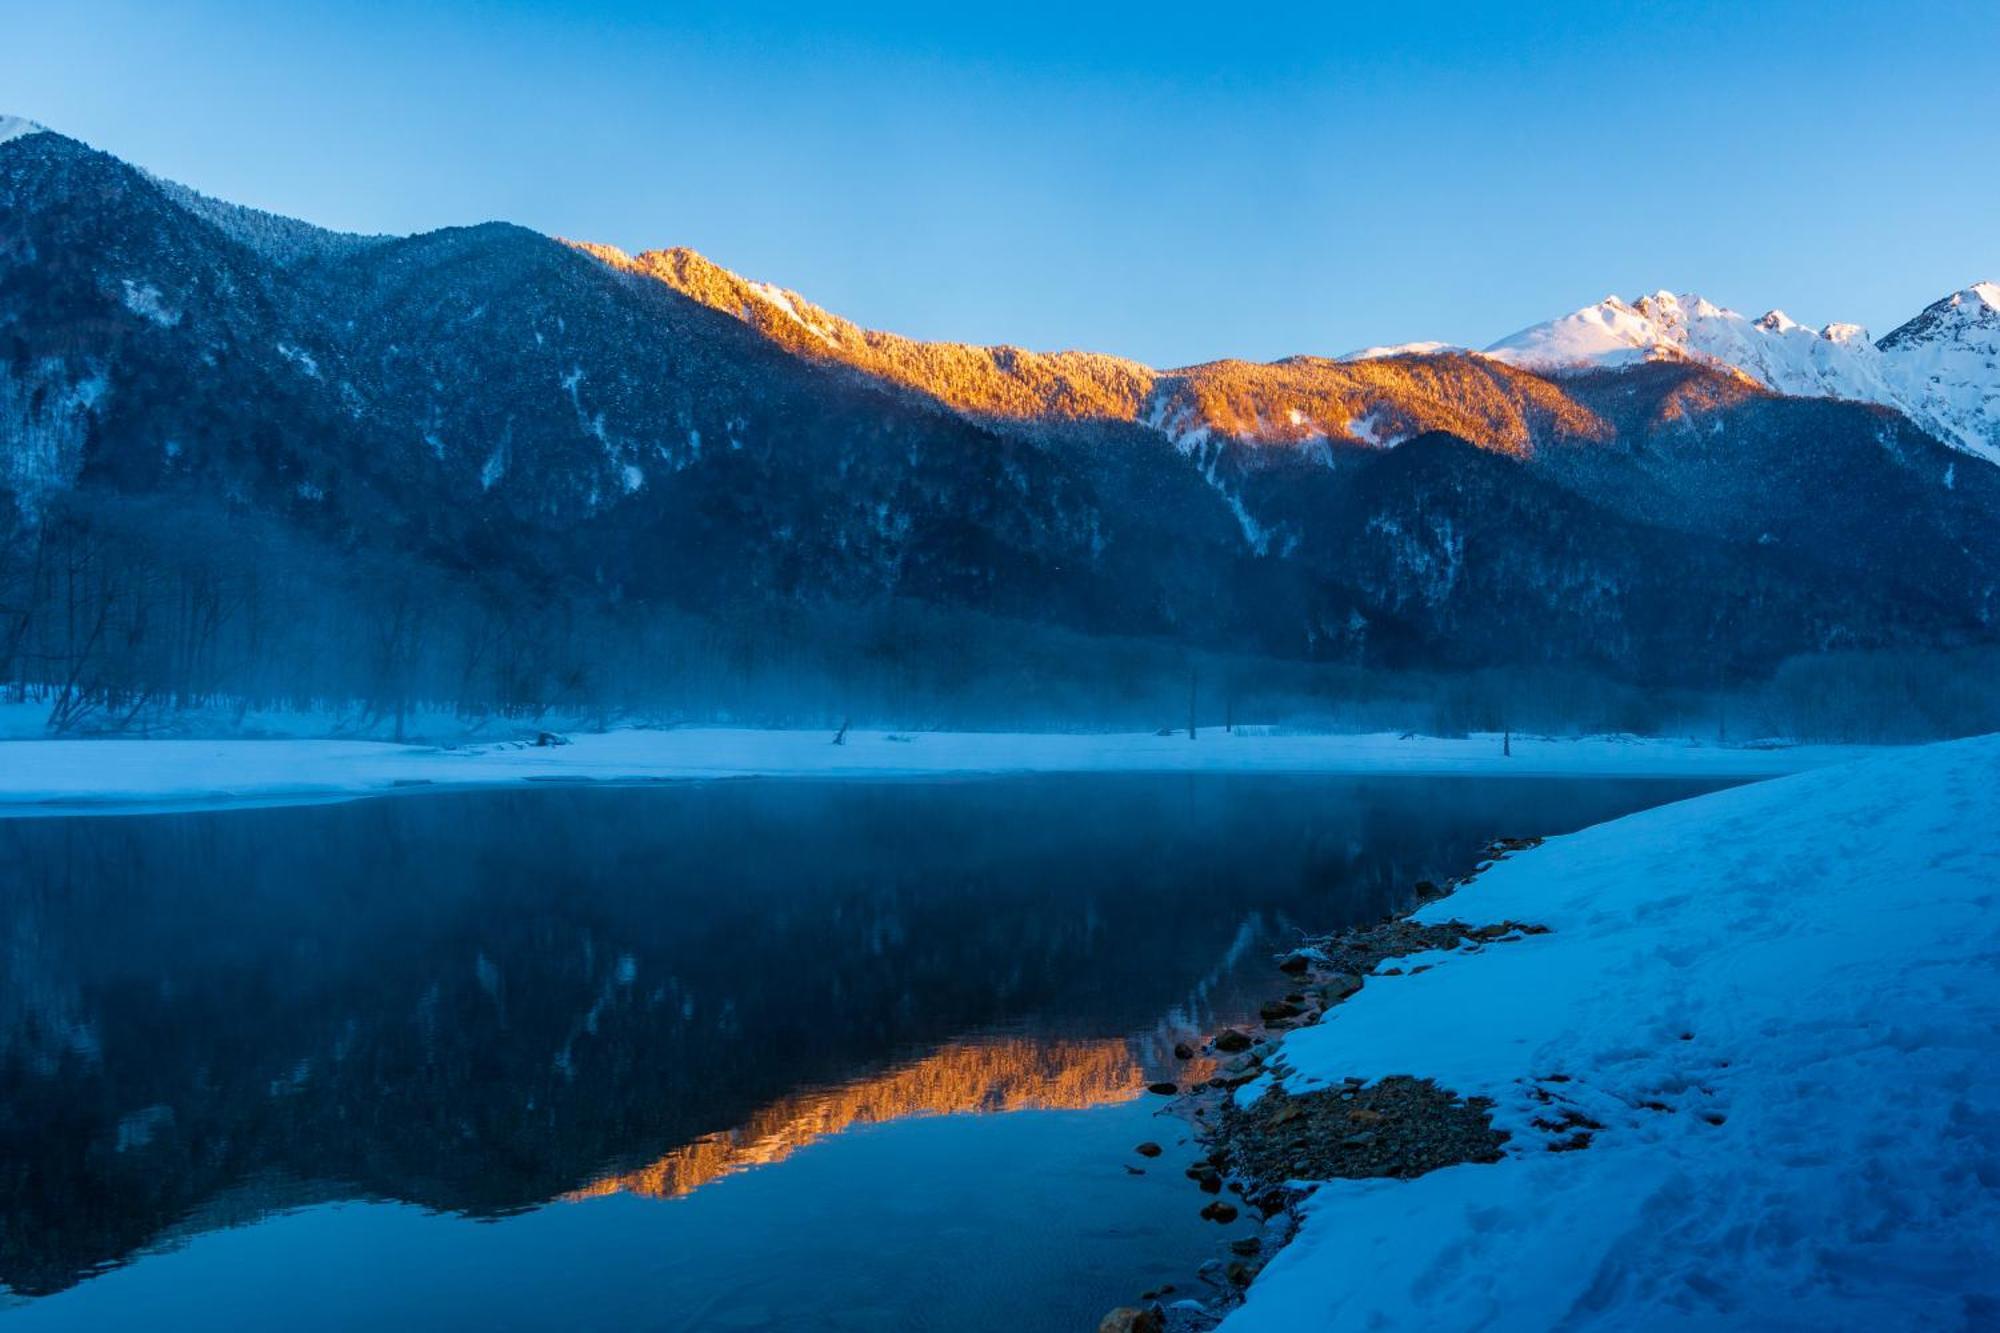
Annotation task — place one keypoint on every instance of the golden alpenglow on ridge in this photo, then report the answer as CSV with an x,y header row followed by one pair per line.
x,y
1376,401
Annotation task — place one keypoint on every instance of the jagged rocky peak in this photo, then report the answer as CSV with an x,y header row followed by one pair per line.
x,y
1963,314
1664,326
1773,350
1779,323
1943,368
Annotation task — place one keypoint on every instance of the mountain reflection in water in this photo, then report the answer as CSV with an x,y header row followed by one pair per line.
x,y
482,1003
999,1074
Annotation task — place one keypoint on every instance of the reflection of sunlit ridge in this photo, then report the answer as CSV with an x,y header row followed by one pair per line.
x,y
996,1074
1000,1074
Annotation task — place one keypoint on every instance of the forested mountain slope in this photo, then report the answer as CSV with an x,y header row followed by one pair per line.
x,y
244,457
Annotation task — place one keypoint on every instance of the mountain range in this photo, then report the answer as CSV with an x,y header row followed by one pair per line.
x,y
498,465
1941,368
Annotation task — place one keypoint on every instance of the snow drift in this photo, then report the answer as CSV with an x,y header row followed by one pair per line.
x,y
1781,1002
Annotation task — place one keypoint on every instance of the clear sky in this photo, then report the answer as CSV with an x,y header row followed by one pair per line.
x,y
1173,183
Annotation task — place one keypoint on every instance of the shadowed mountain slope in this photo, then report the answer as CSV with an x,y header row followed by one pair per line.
x,y
483,464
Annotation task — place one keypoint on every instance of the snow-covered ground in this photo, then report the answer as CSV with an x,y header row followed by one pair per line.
x,y
28,719
1781,1001
56,776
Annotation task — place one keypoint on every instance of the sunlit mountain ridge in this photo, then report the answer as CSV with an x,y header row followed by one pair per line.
x,y
1939,368
1301,400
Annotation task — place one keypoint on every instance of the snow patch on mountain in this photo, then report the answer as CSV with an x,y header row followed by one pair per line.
x,y
1403,349
1369,430
781,300
305,361
144,300
14,127
1180,424
45,411
1199,444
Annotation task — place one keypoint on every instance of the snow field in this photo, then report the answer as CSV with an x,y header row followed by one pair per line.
x,y
1781,1002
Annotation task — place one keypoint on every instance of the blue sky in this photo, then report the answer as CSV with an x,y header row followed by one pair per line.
x,y
1173,183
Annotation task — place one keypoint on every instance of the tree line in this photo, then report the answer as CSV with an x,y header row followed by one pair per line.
x,y
136,615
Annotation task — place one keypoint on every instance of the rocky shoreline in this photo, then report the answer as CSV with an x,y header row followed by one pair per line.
x,y
1267,1153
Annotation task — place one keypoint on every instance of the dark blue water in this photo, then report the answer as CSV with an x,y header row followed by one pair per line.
x,y
735,1056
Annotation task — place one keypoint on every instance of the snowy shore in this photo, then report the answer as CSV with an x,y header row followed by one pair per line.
x,y
1777,1011
45,777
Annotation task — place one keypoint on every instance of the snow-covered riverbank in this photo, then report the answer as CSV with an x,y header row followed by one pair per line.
x,y
1778,1005
53,776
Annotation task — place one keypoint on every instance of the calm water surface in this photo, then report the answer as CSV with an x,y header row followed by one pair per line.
x,y
760,1055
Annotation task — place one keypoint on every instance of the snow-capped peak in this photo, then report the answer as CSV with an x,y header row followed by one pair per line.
x,y
1775,350
1974,307
1941,368
14,127
1617,332
1610,333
